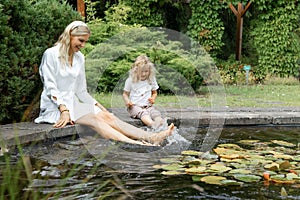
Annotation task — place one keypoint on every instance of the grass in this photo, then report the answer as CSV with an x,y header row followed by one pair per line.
x,y
274,93
263,96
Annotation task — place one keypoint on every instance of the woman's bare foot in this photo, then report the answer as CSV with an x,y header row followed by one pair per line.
x,y
157,138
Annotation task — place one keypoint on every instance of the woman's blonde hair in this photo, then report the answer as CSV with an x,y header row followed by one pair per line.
x,y
140,63
76,28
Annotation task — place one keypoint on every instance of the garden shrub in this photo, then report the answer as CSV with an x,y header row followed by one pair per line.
x,y
108,64
232,72
147,13
26,30
102,31
275,38
206,26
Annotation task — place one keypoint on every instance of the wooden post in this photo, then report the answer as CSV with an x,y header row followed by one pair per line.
x,y
239,32
81,7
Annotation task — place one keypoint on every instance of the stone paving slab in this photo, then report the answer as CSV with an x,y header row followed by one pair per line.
x,y
27,132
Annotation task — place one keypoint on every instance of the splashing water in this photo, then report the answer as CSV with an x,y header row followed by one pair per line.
x,y
176,138
175,141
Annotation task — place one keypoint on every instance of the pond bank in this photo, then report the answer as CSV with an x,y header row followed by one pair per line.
x,y
27,132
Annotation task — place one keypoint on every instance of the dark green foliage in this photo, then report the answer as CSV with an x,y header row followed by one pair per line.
x,y
179,69
206,26
271,42
275,38
27,29
147,13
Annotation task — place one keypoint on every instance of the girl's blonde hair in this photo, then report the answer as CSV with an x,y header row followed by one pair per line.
x,y
76,28
140,63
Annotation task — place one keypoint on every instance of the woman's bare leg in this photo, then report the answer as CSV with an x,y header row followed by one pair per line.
x,y
105,130
134,132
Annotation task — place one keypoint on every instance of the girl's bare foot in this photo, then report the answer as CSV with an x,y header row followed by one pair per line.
x,y
158,122
145,143
157,138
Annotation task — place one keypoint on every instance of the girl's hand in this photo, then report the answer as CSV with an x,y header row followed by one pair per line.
x,y
63,120
129,104
151,100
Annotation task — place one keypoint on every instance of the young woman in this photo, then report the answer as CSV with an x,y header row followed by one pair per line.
x,y
65,99
140,92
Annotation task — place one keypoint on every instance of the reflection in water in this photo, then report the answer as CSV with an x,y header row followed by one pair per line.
x,y
89,167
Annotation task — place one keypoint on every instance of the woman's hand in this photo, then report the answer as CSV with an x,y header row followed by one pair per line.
x,y
129,104
63,120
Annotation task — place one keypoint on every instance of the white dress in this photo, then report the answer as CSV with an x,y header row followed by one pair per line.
x,y
140,91
67,84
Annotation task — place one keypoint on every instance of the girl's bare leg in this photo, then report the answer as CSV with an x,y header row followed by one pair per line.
x,y
105,130
146,119
134,132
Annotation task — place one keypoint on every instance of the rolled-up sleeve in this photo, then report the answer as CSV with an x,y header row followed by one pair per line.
x,y
48,71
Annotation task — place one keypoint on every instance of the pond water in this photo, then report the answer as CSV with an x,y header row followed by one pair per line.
x,y
91,168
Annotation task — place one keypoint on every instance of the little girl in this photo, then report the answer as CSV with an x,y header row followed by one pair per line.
x,y
140,92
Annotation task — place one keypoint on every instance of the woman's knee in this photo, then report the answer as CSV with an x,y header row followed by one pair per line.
x,y
89,120
107,116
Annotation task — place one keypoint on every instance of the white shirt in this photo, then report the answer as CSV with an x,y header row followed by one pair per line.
x,y
67,84
140,91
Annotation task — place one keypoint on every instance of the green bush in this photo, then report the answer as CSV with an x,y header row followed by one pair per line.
x,y
180,68
275,38
148,13
232,72
26,30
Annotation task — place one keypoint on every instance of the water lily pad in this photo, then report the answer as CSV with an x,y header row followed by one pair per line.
x,y
292,176
197,178
286,150
215,180
173,167
186,159
230,156
248,142
280,163
219,150
283,156
219,167
195,170
272,166
191,153
237,165
296,158
283,181
172,173
283,143
278,177
230,146
230,182
252,156
271,172
197,162
240,171
247,177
